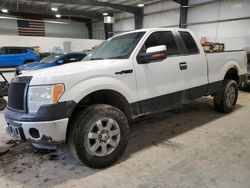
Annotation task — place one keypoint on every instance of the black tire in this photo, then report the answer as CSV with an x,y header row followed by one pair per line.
x,y
81,127
3,104
224,102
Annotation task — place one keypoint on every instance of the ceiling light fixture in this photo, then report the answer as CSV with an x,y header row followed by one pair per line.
x,y
140,5
54,9
4,10
105,14
58,15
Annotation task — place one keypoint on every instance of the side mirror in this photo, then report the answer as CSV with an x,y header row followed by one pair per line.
x,y
153,54
60,62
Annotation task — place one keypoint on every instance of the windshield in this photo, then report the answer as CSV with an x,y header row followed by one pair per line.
x,y
51,58
119,47
4,50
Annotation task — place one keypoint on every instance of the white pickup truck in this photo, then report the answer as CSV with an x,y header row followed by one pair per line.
x,y
89,105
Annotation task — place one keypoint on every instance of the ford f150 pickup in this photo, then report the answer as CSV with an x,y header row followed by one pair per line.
x,y
89,105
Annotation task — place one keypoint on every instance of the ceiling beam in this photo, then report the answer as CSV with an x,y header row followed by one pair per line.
x,y
45,17
125,8
24,8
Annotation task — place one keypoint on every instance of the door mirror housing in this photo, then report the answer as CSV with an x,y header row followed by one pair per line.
x,y
153,54
59,62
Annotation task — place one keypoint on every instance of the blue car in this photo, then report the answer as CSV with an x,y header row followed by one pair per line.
x,y
15,56
51,61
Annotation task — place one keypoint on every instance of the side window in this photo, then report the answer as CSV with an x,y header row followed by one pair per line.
x,y
189,42
162,38
16,51
82,57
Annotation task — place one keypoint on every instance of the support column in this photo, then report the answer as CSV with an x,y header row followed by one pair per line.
x,y
90,30
138,18
183,14
108,30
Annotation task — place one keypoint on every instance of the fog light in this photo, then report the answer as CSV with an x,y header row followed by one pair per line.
x,y
34,133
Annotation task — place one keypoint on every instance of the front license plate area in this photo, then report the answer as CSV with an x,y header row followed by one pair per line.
x,y
15,132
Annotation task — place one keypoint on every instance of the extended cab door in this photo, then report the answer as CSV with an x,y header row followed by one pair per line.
x,y
196,65
163,83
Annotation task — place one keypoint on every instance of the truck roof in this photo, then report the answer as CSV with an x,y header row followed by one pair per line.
x,y
156,29
15,47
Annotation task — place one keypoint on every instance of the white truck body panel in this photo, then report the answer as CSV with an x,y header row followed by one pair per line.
x,y
220,63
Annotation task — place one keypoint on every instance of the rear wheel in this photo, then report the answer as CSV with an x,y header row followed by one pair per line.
x,y
225,100
99,135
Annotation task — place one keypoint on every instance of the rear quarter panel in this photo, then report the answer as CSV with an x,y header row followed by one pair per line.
x,y
220,63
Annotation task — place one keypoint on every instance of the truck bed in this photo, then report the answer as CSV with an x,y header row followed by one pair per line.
x,y
220,62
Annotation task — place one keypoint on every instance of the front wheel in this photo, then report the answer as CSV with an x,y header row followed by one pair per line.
x,y
226,99
100,135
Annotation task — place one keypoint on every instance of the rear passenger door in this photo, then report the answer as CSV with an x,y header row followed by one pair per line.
x,y
161,84
196,65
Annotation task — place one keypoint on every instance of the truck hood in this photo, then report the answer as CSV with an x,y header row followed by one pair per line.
x,y
72,71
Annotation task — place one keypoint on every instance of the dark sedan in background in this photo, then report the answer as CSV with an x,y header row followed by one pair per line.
x,y
51,61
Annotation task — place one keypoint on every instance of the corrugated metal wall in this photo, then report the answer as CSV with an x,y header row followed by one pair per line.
x,y
225,21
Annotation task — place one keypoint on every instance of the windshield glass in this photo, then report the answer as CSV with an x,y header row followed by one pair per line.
x,y
119,47
3,51
51,58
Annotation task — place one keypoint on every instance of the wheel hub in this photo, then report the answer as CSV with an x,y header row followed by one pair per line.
x,y
103,137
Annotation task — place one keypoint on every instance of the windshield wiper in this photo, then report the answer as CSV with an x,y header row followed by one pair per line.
x,y
98,58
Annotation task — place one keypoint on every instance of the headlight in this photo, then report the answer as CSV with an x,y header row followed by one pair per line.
x,y
42,95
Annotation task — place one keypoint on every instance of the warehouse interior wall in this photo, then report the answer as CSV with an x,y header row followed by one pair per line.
x,y
162,14
225,21
98,30
224,28
72,29
49,44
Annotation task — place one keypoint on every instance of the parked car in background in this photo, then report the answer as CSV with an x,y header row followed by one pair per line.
x,y
15,56
51,61
246,84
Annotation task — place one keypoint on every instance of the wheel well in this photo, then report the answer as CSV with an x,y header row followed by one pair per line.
x,y
101,97
232,74
106,97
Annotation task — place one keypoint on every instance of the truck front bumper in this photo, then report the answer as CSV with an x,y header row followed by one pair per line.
x,y
45,129
46,134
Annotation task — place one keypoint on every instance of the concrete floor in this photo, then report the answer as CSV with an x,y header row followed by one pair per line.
x,y
193,146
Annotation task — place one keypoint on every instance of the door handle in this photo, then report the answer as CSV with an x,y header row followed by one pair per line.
x,y
183,65
129,71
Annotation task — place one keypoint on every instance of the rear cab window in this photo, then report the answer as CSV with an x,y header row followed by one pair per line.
x,y
189,42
